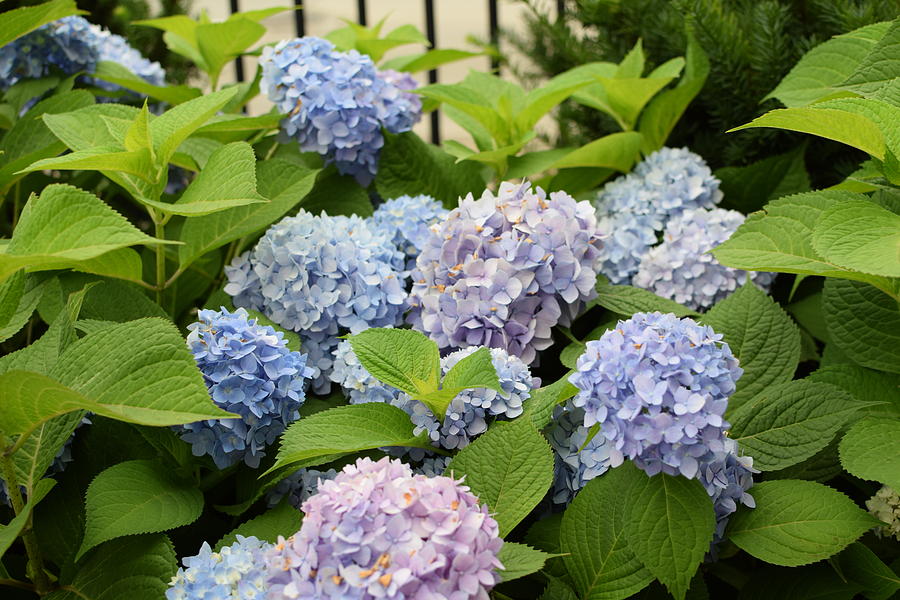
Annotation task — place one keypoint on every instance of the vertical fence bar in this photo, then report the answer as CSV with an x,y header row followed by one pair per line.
x,y
361,12
494,25
299,19
432,74
560,9
239,61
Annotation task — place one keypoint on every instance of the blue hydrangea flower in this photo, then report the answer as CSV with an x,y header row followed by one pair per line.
x,y
678,180
727,476
71,45
681,267
249,371
336,102
407,221
515,380
377,531
575,466
298,486
658,386
502,270
358,384
236,572
404,109
432,466
321,276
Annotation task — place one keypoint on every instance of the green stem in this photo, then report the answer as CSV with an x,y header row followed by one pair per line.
x,y
17,199
35,564
160,261
22,585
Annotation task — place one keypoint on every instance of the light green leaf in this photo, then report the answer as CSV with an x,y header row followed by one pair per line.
x,y
124,77
789,422
220,43
12,530
864,323
402,358
40,449
19,296
823,68
174,126
332,433
860,235
669,524
99,158
19,21
762,337
871,450
797,522
539,407
427,60
135,567
748,188
474,371
238,123
615,151
520,560
92,126
880,66
509,468
627,300
602,564
135,497
838,125
861,566
471,103
284,520
531,163
180,36
44,241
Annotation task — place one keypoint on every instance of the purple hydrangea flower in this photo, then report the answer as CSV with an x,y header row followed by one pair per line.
x,y
404,109
502,270
249,371
432,466
321,276
681,267
298,486
727,476
658,386
377,531
407,221
576,462
336,102
235,572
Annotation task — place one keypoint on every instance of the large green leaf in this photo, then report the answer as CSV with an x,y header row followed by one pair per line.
x,y
864,323
877,388
879,67
174,126
669,524
797,522
220,43
402,358
44,241
860,235
762,337
134,497
100,158
601,563
863,567
123,76
427,60
748,188
871,450
789,422
616,151
283,520
627,300
20,21
509,468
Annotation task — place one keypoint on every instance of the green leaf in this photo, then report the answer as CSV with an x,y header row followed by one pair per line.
x,y
861,566
797,522
779,239
838,125
879,66
220,43
180,36
402,358
864,323
59,522
284,520
473,371
135,567
410,166
669,524
520,560
860,235
557,589
762,337
330,434
871,450
509,468
615,151
174,126
337,194
19,296
427,60
38,452
123,76
748,188
100,158
826,66
815,582
531,163
471,102
12,530
627,300
539,407
20,21
44,241
865,385
603,566
789,422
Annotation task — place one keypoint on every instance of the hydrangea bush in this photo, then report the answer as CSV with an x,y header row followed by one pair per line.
x,y
307,354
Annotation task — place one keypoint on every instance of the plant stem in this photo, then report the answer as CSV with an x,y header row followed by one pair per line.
x,y
160,261
35,564
17,192
22,585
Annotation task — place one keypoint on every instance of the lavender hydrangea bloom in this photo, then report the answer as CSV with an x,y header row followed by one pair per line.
x,y
249,371
236,572
658,386
681,267
377,531
335,102
321,276
727,476
404,109
298,486
502,271
407,221
576,462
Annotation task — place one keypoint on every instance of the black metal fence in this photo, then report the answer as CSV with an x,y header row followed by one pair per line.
x,y
493,11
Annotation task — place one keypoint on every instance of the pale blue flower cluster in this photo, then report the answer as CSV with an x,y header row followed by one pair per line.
x,y
249,371
658,386
71,45
298,486
501,271
576,462
236,572
681,267
727,476
407,220
322,277
378,531
336,103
